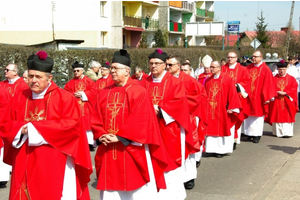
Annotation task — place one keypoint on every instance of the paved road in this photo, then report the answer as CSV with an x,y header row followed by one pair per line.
x,y
251,172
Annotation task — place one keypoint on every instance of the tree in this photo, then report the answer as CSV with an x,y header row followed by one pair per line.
x,y
261,31
143,41
160,38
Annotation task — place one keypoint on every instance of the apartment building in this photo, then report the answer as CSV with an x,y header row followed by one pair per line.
x,y
98,24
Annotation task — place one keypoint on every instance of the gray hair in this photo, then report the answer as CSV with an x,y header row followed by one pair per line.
x,y
138,69
94,64
16,67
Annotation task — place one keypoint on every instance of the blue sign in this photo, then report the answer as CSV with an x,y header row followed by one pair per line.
x,y
233,22
233,27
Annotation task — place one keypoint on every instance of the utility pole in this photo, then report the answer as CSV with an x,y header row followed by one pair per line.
x,y
53,33
289,31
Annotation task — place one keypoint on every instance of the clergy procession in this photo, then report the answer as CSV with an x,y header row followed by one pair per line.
x,y
148,130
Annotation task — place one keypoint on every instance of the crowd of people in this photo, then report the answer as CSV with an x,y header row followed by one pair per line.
x,y
149,130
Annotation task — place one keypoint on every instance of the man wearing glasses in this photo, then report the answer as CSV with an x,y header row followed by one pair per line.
x,y
13,83
84,89
106,79
130,158
223,106
261,91
241,79
170,104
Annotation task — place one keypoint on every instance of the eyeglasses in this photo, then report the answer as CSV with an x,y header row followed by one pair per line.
x,y
213,67
7,70
116,68
184,70
155,63
255,56
77,70
170,64
229,57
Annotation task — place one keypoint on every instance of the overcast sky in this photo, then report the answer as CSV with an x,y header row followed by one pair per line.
x,y
276,13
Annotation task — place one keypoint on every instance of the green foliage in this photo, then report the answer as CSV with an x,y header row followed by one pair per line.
x,y
160,38
261,31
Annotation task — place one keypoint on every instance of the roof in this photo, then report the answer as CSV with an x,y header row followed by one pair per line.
x,y
58,41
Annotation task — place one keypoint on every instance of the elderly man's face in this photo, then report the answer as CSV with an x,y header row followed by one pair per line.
x,y
215,68
157,66
138,74
96,69
282,71
185,69
104,71
9,71
38,81
78,72
119,73
207,70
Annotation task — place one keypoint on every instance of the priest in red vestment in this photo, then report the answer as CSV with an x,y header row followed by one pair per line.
x,y
106,79
169,100
196,98
283,109
5,99
130,157
260,93
45,142
84,89
139,74
13,83
241,79
205,75
223,106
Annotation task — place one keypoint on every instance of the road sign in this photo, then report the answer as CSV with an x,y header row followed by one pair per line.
x,y
255,43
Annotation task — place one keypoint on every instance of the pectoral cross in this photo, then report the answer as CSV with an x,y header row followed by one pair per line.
x,y
36,116
156,95
213,103
114,106
253,75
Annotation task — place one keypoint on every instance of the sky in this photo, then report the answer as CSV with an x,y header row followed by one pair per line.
x,y
276,13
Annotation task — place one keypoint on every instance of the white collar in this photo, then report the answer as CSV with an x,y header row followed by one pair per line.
x,y
258,64
40,95
12,81
105,77
158,80
232,66
217,76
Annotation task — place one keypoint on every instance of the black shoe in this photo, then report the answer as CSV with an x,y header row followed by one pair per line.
x,y
256,139
249,137
189,185
198,163
220,155
91,147
3,184
234,146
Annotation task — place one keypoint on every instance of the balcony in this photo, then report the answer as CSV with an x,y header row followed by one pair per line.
x,y
188,6
175,26
140,22
205,13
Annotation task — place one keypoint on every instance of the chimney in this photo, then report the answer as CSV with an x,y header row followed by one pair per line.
x,y
285,29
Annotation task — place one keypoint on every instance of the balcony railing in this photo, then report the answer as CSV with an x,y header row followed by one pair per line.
x,y
175,26
140,22
188,6
205,13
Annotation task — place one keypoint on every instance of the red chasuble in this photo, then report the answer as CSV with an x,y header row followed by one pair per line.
x,y
282,109
261,89
203,77
127,112
103,82
170,96
86,85
16,88
222,96
197,101
241,76
143,76
5,99
38,171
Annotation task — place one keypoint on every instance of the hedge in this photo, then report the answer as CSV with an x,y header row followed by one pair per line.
x,y
63,60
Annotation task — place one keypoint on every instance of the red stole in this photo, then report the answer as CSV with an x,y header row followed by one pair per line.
x,y
203,77
103,82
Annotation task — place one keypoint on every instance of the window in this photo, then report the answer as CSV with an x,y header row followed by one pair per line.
x,y
103,38
102,8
